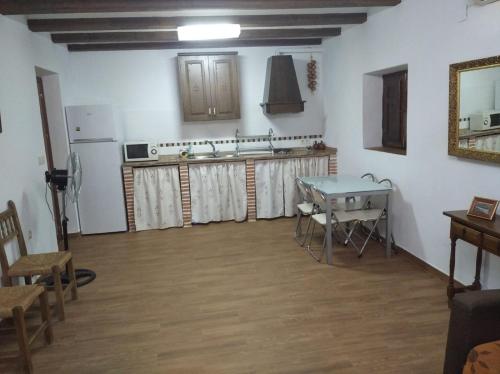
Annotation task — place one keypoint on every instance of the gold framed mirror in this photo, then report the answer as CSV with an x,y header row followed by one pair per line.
x,y
474,110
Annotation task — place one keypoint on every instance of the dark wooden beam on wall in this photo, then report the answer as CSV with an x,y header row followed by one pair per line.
x,y
149,23
192,45
11,7
171,36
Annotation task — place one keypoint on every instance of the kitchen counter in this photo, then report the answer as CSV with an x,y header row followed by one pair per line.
x,y
230,157
183,166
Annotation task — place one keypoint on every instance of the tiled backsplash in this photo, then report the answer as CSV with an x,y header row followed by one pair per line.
x,y
227,145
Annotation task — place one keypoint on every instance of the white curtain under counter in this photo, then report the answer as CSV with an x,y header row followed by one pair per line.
x,y
276,190
218,192
157,198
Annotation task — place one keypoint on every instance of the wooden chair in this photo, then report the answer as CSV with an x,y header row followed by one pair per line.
x,y
14,302
28,266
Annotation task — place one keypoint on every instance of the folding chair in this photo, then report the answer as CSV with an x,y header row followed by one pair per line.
x,y
372,216
304,209
338,221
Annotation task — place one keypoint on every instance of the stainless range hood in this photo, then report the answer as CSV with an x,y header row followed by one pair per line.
x,y
282,92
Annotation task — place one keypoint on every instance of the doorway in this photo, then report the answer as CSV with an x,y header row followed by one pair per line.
x,y
56,211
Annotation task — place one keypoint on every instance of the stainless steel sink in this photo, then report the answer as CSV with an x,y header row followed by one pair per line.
x,y
210,156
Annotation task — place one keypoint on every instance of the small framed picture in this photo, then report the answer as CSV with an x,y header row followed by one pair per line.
x,y
483,208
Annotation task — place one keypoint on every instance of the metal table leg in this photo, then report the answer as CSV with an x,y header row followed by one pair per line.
x,y
388,227
329,251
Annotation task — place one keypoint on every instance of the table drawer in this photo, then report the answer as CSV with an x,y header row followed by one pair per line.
x,y
466,233
491,244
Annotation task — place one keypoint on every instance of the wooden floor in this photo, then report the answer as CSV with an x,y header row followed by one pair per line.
x,y
243,298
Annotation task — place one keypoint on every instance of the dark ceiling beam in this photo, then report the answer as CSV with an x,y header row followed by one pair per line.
x,y
11,7
171,36
149,23
192,45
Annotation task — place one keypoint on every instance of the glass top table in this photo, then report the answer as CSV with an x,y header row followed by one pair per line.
x,y
345,184
337,186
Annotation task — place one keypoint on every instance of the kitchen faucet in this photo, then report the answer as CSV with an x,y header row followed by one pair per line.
x,y
215,152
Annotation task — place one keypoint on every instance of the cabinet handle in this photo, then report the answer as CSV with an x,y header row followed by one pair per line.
x,y
210,111
214,112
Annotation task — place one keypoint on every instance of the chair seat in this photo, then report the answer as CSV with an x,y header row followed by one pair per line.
x,y
342,217
305,208
38,264
350,216
367,215
17,296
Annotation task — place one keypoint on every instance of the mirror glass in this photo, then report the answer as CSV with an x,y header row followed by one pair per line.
x,y
479,109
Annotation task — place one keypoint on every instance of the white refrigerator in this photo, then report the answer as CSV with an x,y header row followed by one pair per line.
x,y
92,134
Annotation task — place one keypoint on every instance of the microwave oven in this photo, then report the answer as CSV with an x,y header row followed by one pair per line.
x,y
140,151
488,120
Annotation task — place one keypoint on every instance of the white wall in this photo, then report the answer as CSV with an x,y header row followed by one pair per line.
x,y
21,142
428,36
143,87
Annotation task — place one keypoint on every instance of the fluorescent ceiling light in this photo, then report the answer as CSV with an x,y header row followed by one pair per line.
x,y
209,32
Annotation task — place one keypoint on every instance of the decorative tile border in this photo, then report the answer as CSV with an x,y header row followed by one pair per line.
x,y
233,141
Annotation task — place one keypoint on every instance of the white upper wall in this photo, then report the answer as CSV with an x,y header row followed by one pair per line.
x,y
21,142
428,35
143,86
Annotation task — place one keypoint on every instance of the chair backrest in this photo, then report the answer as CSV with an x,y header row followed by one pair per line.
x,y
386,182
369,176
304,191
318,198
10,229
380,201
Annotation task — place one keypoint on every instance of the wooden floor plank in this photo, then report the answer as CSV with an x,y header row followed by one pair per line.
x,y
243,298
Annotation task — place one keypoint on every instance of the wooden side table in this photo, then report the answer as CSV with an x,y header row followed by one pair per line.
x,y
485,235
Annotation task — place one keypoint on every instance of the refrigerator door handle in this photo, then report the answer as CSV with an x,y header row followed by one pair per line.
x,y
96,140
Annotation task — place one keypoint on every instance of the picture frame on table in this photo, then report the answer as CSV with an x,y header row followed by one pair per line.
x,y
483,208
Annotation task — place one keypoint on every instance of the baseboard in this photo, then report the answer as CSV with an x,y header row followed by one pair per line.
x,y
425,266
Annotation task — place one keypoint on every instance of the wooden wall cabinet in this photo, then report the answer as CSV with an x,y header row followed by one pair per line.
x,y
209,86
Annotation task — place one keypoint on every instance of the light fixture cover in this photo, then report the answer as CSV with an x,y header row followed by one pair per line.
x,y
208,32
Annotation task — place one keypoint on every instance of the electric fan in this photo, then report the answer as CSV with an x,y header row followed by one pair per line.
x,y
68,184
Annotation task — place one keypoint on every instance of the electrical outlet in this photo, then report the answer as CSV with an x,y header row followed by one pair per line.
x,y
30,234
41,160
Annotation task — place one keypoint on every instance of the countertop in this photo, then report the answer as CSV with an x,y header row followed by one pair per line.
x,y
227,157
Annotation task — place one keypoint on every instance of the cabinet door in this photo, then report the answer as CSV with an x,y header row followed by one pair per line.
x,y
194,80
225,86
